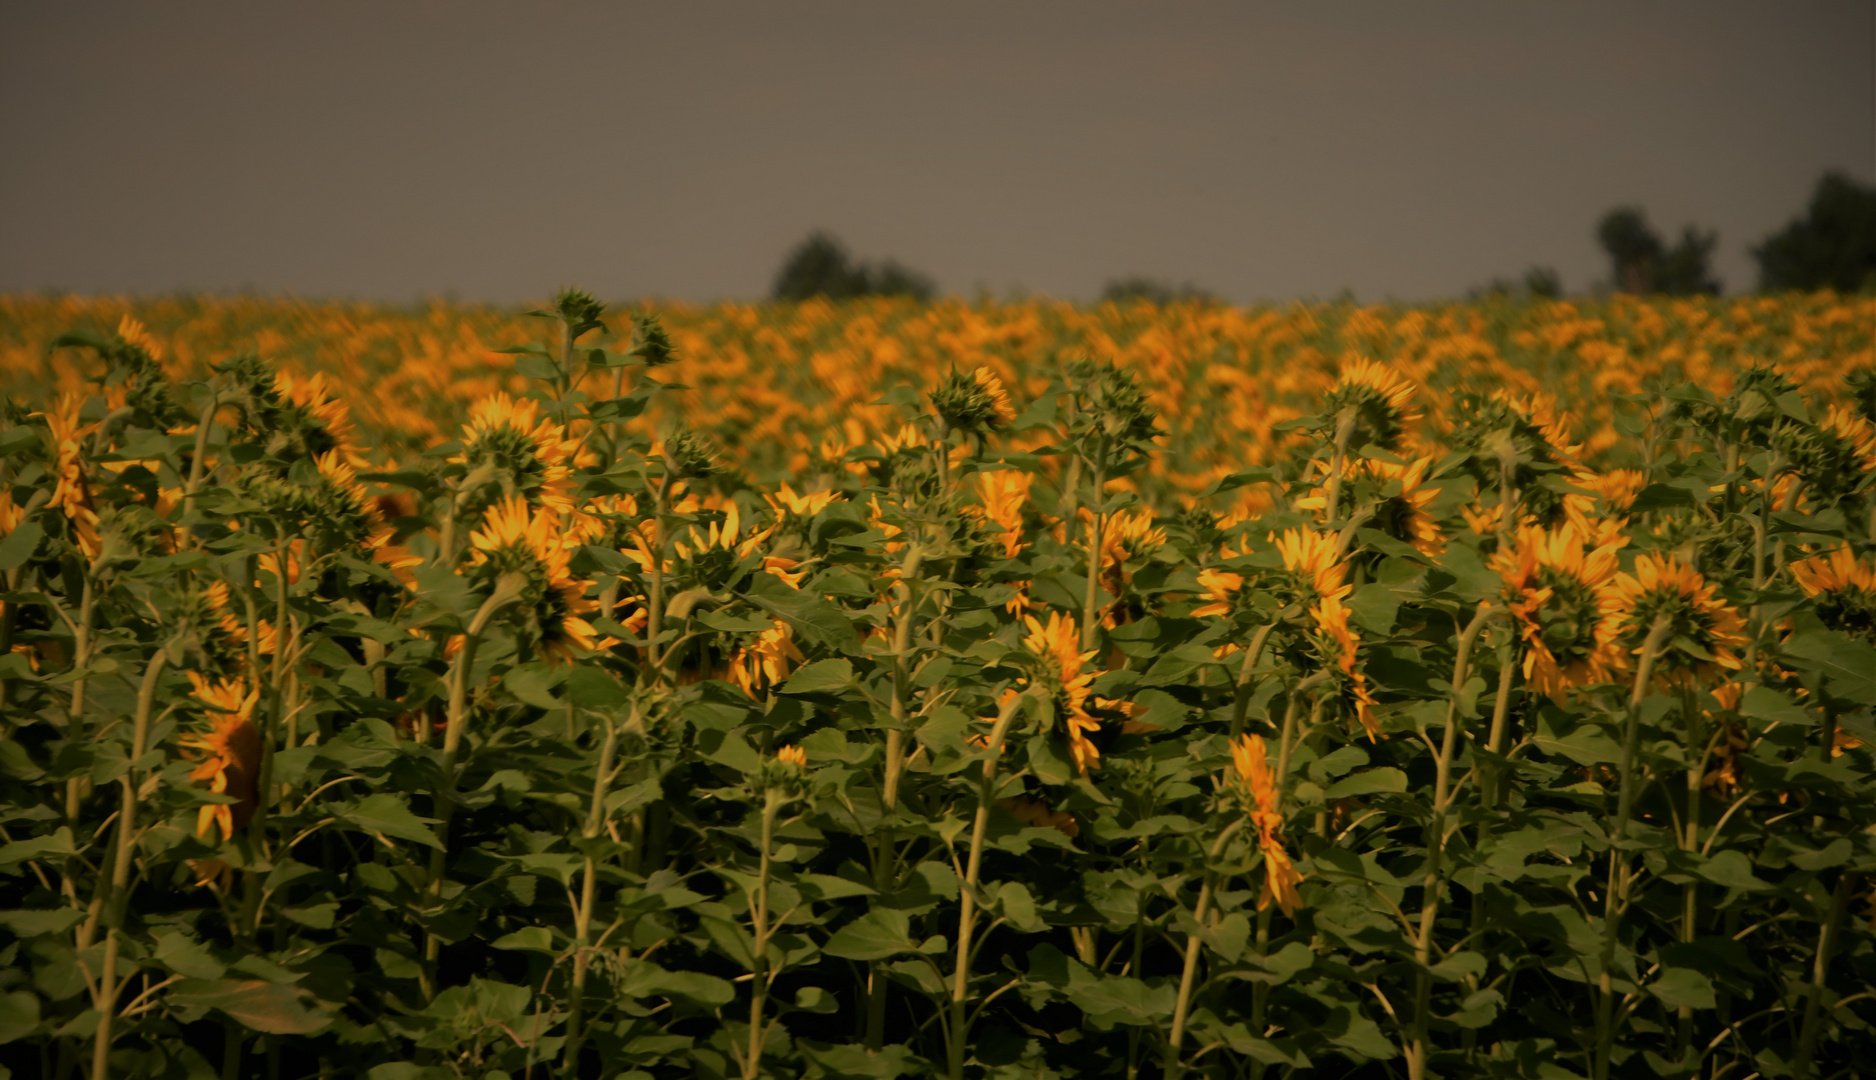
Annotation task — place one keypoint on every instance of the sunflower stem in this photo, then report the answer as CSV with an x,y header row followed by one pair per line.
x,y
959,1029
124,843
772,801
1096,519
589,885
1170,1065
443,803
654,603
1814,997
1338,462
1618,833
883,860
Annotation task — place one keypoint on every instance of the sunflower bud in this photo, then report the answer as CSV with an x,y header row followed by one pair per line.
x,y
651,344
690,455
976,402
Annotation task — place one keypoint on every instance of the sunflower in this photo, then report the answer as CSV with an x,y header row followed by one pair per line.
x,y
515,539
1004,491
1313,555
232,754
530,456
1057,645
1844,588
70,492
1127,535
1338,643
1036,815
1558,588
1703,630
1616,488
1256,785
1221,587
321,422
785,501
766,661
1403,515
1380,401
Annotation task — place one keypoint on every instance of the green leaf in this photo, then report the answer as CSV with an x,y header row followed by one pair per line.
x,y
646,979
42,922
1683,988
19,1015
187,957
38,847
1765,703
387,814
1733,870
274,1008
820,677
1374,606
527,939
879,933
1367,782
20,545
1016,905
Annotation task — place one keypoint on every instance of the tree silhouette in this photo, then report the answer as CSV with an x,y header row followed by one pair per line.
x,y
1832,247
821,266
1641,263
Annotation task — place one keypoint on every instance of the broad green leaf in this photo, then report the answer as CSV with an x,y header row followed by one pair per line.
x,y
1368,782
19,1015
274,1008
388,815
820,677
1683,988
879,933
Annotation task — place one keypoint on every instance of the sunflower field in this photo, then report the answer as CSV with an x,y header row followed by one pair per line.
x,y
888,689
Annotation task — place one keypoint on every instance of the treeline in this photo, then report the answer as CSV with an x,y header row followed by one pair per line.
x,y
1831,245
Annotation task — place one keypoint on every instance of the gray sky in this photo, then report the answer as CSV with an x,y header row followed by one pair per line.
x,y
498,150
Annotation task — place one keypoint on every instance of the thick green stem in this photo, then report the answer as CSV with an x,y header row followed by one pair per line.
x,y
1241,706
1435,845
124,848
878,987
1096,520
967,904
759,987
443,805
1814,1000
1618,833
589,889
654,603
1338,464
1170,1065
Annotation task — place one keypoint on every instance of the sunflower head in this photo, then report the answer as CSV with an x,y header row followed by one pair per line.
x,y
1558,588
1528,435
1336,645
524,545
1401,509
1003,493
974,403
1703,629
1842,589
1057,662
508,449
651,343
1376,400
230,754
785,774
690,455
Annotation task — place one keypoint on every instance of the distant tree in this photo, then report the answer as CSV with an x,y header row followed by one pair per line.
x,y
1832,247
1538,281
1141,287
820,266
1641,263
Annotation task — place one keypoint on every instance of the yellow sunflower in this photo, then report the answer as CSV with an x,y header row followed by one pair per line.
x,y
1844,589
1703,629
70,492
1558,586
1338,642
232,755
517,539
1004,492
1313,554
1221,587
1057,643
766,661
531,455
1002,412
1380,400
1256,784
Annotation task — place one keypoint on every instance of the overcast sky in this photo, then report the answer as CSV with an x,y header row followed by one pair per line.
x,y
494,151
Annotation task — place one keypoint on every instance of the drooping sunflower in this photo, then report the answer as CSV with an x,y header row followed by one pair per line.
x,y
1337,642
70,491
1312,555
1703,629
1221,589
231,750
1843,588
516,539
765,662
530,456
1380,400
1003,493
1256,786
1558,586
1056,645
1403,515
